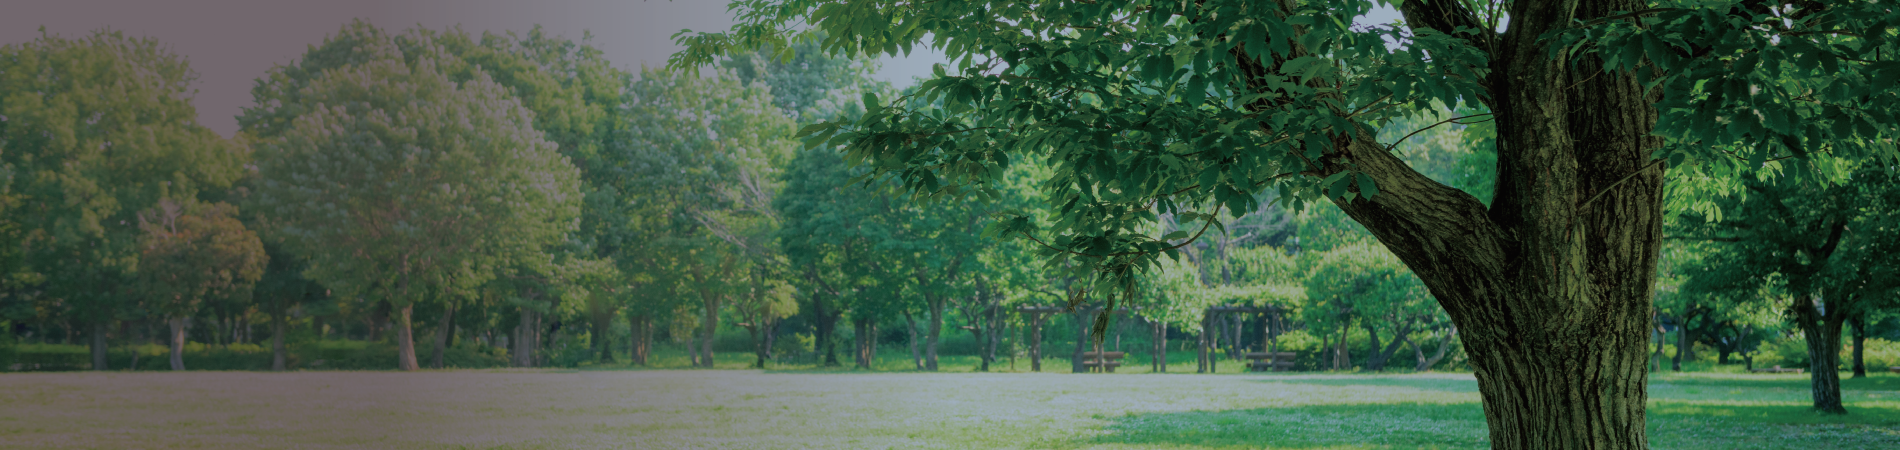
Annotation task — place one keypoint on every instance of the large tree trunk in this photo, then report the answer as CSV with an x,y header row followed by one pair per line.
x,y
99,344
442,329
406,340
1822,329
936,303
178,342
1550,285
278,355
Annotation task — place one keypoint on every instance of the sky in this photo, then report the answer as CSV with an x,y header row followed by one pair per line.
x,y
230,43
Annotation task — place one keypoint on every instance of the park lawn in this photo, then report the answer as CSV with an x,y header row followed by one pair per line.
x,y
754,409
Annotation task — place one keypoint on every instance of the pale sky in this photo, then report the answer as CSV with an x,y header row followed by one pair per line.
x,y
232,42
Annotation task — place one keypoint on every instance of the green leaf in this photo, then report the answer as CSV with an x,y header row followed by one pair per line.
x,y
1367,188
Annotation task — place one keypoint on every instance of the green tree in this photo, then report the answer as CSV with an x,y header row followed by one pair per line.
x,y
697,160
1188,108
93,130
1806,239
191,253
397,181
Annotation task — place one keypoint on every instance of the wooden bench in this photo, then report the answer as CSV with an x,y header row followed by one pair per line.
x,y
1274,361
1776,369
1102,361
1894,369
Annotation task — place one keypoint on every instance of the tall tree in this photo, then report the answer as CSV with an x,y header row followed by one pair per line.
x,y
1188,108
191,253
92,131
397,181
1807,240
699,158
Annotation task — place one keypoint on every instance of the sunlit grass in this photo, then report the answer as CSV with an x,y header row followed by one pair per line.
x,y
508,408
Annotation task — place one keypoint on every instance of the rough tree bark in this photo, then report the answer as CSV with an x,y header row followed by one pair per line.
x,y
1551,284
1822,329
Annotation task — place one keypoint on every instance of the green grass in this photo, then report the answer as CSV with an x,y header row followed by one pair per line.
x,y
505,408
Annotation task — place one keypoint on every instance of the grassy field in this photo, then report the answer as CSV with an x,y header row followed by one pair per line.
x,y
803,409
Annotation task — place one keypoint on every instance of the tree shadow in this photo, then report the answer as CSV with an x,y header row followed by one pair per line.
x,y
1379,426
1436,382
1671,423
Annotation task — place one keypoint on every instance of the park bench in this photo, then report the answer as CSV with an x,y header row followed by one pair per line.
x,y
1777,369
1274,361
1894,369
1102,361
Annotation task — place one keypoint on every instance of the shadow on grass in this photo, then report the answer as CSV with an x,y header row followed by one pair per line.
x,y
1456,425
1673,424
1440,384
1873,382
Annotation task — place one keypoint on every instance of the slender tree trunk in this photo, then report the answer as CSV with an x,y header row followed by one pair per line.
x,y
639,339
860,348
406,340
1860,345
1200,355
916,355
1161,346
826,329
709,327
1425,364
1661,335
1682,340
442,328
178,342
99,344
377,317
1082,325
134,340
1036,342
518,341
278,354
936,303
870,356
